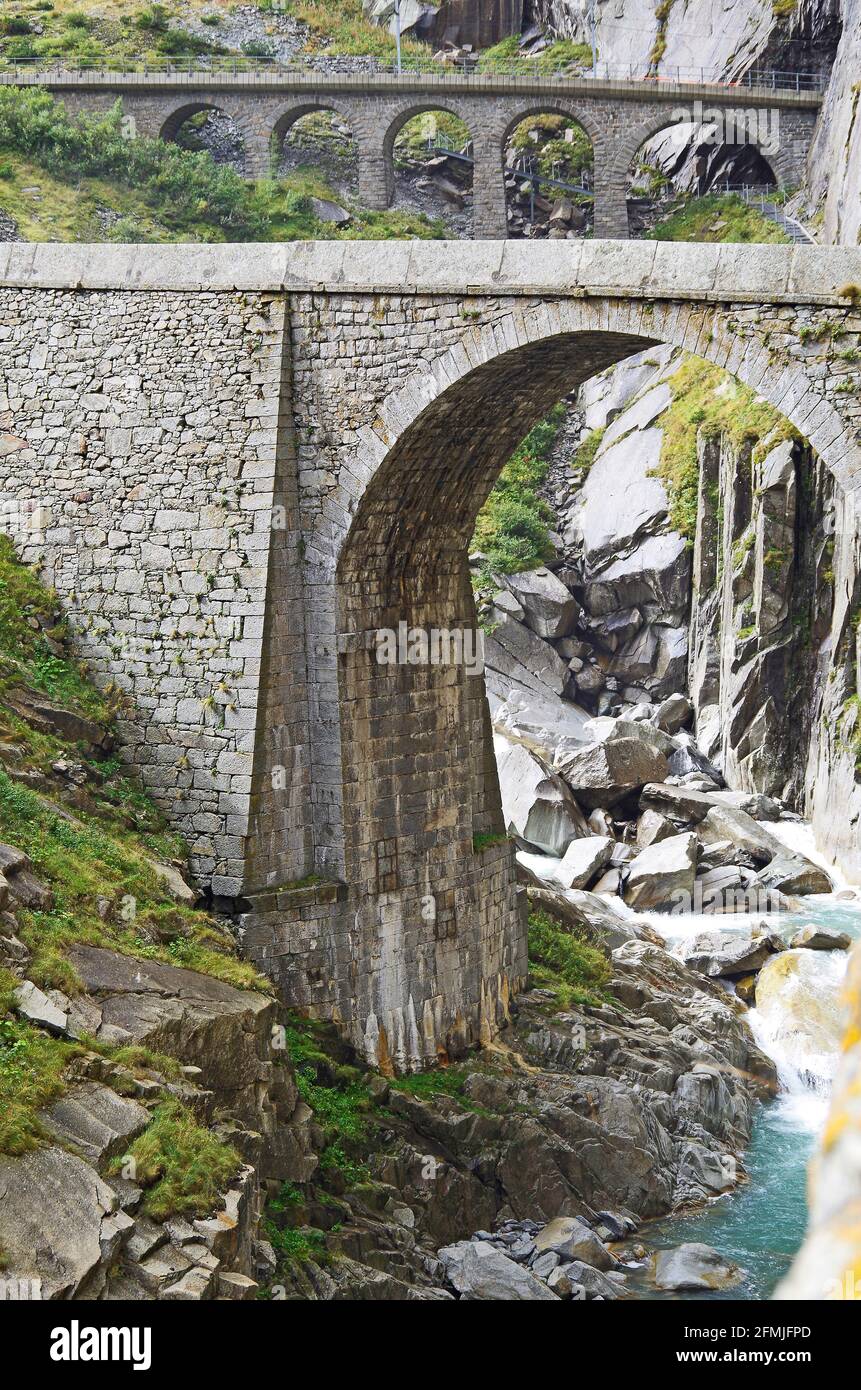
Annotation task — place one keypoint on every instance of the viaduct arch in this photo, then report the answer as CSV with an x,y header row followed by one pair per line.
x,y
295,462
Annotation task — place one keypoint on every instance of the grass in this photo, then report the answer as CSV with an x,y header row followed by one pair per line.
x,y
717,217
32,1072
707,401
569,965
182,1166
511,529
563,55
100,854
82,180
85,860
26,651
585,453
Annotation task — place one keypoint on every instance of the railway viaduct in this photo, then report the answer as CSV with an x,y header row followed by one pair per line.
x,y
617,115
238,464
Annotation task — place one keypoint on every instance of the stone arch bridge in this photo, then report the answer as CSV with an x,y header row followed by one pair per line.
x,y
618,117
239,464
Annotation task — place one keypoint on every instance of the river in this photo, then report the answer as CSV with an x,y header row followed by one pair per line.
x,y
761,1224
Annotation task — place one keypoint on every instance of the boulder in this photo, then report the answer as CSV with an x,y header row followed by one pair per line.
x,y
610,729
662,875
815,938
326,211
695,1266
480,1273
572,1239
657,572
722,822
549,609
515,656
653,827
788,873
728,954
542,722
583,861
36,1007
602,774
537,806
673,713
593,1283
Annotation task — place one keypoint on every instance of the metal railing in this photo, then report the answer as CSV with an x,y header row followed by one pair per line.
x,y
472,66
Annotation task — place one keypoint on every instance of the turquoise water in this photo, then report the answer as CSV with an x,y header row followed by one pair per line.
x,y
762,1223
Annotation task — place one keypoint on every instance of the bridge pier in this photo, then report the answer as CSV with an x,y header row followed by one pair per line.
x,y
489,215
610,205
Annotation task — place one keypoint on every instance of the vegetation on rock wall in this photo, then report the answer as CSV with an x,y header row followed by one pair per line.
x,y
94,844
511,530
570,965
707,400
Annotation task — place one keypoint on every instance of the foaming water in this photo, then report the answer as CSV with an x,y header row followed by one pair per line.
x,y
797,1022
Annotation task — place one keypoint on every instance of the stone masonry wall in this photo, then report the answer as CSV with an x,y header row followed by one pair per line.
x,y
137,458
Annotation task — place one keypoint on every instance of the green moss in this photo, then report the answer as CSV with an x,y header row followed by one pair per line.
x,y
487,841
512,526
707,401
563,55
576,970
585,454
182,1166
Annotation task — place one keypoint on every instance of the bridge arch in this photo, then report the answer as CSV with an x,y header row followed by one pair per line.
x,y
402,116
421,803
780,160
295,114
177,117
569,119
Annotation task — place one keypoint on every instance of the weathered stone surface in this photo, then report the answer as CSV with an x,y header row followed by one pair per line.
x,y
818,938
603,774
479,1272
95,1121
593,1283
549,609
537,805
54,1214
31,1003
694,1266
730,954
583,861
572,1239
663,874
